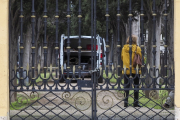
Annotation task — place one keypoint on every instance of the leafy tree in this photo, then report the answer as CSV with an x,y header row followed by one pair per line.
x,y
101,19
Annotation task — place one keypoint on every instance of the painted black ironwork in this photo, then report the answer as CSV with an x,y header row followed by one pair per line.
x,y
56,42
21,46
130,42
68,41
142,34
79,42
118,42
33,44
154,43
92,54
92,27
94,108
45,44
142,40
107,41
47,97
165,41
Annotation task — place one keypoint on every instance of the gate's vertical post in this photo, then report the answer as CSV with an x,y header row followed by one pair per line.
x,y
92,66
4,61
94,74
177,57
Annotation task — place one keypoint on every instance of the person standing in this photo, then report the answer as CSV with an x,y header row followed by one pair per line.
x,y
126,63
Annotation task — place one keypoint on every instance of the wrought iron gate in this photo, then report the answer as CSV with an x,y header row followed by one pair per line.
x,y
46,92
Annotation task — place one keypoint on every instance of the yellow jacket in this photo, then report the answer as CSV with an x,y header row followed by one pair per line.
x,y
125,57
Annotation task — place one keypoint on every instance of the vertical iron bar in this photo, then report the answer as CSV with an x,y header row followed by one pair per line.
x,y
45,44
165,41
130,40
33,44
118,42
18,50
154,43
68,40
56,42
92,14
21,46
142,37
107,41
79,42
111,59
95,64
92,66
95,40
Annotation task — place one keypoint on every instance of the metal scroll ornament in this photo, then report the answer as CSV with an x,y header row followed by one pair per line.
x,y
20,100
106,99
81,100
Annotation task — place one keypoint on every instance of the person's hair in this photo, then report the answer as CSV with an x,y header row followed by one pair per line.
x,y
134,39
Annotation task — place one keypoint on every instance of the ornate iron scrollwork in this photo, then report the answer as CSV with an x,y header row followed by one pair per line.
x,y
22,99
82,100
105,99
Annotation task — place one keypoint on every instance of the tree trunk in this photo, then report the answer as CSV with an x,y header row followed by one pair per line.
x,y
49,53
53,57
149,51
42,55
136,29
170,39
13,63
158,43
13,49
150,55
37,54
27,49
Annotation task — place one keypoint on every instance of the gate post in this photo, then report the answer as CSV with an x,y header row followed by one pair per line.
x,y
177,57
4,60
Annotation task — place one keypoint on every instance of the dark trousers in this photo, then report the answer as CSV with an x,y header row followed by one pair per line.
x,y
127,85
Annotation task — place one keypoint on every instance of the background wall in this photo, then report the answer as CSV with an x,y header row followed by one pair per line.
x,y
4,61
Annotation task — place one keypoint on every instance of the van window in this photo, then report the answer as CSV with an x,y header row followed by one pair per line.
x,y
85,44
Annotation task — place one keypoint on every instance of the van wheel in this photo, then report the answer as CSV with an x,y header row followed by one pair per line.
x,y
100,80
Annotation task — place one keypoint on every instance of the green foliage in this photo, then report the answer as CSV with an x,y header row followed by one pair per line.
x,y
113,79
145,59
100,14
22,102
39,12
42,75
149,102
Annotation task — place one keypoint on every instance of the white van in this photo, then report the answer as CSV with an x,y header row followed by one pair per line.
x,y
85,54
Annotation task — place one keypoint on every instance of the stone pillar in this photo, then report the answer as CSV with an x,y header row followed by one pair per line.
x,y
4,61
177,57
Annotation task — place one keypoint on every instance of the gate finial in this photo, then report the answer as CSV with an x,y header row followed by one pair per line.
x,y
50,68
39,67
62,68
27,68
159,68
148,67
73,69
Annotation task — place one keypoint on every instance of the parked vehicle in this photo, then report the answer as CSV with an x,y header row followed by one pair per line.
x,y
85,55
